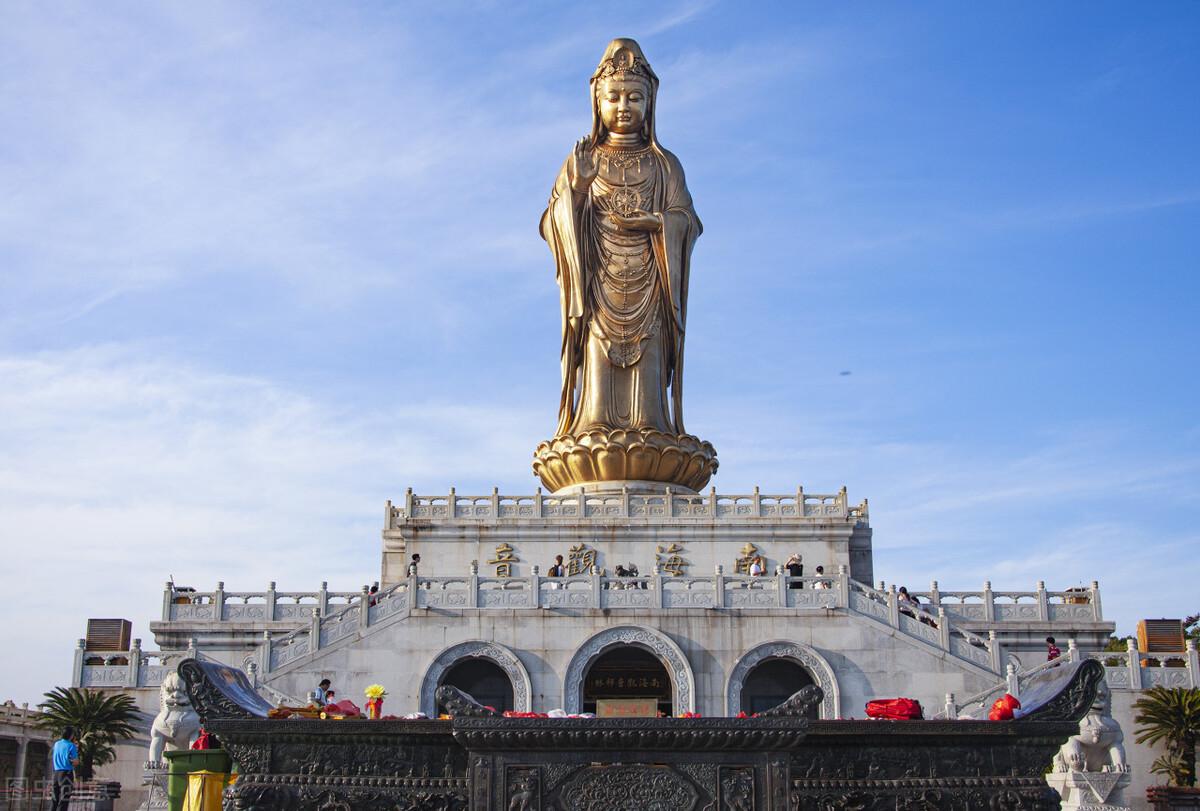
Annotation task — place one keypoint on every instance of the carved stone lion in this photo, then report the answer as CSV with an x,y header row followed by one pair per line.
x,y
176,725
1099,746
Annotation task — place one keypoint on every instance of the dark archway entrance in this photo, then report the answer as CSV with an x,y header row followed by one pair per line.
x,y
483,680
771,682
627,682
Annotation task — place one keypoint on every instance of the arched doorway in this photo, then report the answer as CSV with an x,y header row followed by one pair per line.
x,y
777,679
627,682
650,640
772,682
476,679
483,680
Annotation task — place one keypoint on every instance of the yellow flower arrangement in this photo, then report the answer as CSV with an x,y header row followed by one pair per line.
x,y
376,691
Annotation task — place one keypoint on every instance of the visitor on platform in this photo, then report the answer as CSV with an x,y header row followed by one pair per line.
x,y
908,604
557,570
66,758
322,692
756,566
330,697
795,569
371,598
821,584
1052,651
412,567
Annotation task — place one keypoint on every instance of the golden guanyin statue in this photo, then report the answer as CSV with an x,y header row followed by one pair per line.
x,y
621,226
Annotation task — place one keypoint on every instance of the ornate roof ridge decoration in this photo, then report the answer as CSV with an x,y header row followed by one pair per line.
x,y
674,734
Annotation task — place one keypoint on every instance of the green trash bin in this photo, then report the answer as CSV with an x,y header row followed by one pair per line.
x,y
182,763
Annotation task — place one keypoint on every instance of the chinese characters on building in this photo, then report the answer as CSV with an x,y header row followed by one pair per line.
x,y
580,559
669,560
505,558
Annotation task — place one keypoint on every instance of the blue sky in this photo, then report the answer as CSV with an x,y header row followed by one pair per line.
x,y
262,266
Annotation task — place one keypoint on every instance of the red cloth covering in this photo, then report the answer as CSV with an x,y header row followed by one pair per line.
x,y
344,707
204,741
895,709
1002,710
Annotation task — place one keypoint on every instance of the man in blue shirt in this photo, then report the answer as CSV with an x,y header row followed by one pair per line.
x,y
66,758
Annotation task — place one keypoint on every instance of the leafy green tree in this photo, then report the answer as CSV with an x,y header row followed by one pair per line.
x,y
100,721
1171,717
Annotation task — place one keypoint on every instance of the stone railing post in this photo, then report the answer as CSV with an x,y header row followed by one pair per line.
x,y
943,628
168,600
893,607
1011,681
495,503
535,587
414,590
1193,663
781,584
712,501
660,598
1134,661
719,586
582,503
252,674
669,504
757,503
387,515
994,651
364,609
193,649
271,601
843,585
77,669
266,652
1072,651
935,596
843,505
473,585
800,502
989,602
595,585
219,602
1043,603
314,631
452,505
537,504
323,598
135,663
951,709
408,502
624,501
1097,612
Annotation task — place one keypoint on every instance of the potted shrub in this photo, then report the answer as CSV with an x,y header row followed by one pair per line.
x,y
1172,718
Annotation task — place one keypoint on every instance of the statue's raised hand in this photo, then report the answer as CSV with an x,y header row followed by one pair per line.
x,y
582,168
636,220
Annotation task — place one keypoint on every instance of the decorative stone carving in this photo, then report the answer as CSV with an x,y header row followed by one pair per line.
x,y
802,655
682,680
502,656
629,786
1090,770
177,724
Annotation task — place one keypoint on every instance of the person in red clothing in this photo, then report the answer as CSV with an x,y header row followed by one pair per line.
x,y
1052,651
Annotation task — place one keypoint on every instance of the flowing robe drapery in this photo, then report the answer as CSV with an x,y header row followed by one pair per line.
x,y
623,298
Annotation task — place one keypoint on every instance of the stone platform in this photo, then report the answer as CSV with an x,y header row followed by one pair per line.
x,y
780,760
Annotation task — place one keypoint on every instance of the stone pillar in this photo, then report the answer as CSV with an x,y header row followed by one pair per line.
x,y
1193,663
780,583
323,598
943,628
219,602
951,709
266,652
1012,682
1135,665
271,602
935,596
893,605
719,586
364,609
22,752
77,670
473,586
1097,614
314,632
1043,603
843,585
168,600
989,602
135,664
1072,651
535,587
994,650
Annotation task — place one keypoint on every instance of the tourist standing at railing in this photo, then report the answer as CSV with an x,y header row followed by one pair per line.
x,y
757,567
66,758
908,603
322,692
795,569
1052,651
557,570
821,584
412,567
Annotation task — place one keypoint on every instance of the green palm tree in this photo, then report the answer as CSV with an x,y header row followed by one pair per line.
x,y
100,720
1171,717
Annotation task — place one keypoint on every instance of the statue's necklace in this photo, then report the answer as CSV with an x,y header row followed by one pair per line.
x,y
625,200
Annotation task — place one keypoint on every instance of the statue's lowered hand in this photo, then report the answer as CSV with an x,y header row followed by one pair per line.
x,y
637,221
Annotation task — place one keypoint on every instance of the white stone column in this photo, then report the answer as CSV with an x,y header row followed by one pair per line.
x,y
1193,663
1135,665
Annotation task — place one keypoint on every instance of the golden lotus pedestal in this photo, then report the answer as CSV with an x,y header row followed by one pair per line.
x,y
647,458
